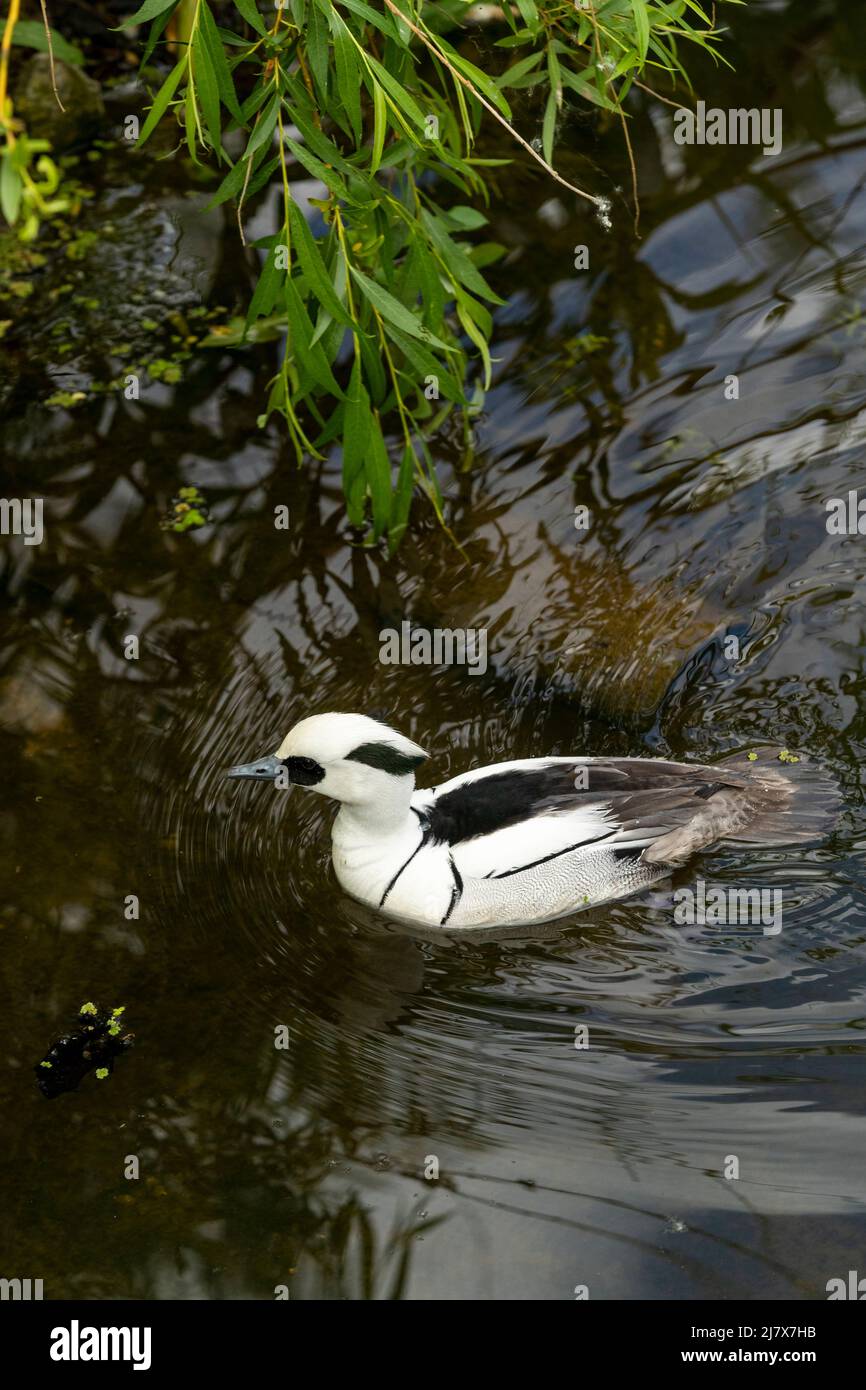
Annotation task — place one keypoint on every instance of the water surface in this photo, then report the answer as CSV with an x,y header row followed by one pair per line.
x,y
558,1166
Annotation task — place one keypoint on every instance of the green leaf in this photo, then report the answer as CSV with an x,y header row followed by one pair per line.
x,y
479,79
529,14
478,339
554,72
425,364
206,87
163,97
231,184
584,86
401,500
318,49
219,63
30,33
348,77
313,266
149,10
308,358
267,288
466,218
398,94
247,8
10,189
319,170
456,259
264,127
383,22
519,69
319,143
377,470
380,126
394,312
357,428
548,129
641,24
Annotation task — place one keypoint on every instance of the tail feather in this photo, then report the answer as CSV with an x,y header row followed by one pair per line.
x,y
803,799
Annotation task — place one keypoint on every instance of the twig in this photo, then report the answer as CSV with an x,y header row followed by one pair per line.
x,y
440,56
51,56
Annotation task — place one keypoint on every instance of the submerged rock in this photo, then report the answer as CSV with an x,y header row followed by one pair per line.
x,y
36,103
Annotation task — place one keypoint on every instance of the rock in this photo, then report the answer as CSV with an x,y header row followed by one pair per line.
x,y
36,103
26,707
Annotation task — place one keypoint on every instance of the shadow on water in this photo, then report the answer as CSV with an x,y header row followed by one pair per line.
x,y
558,1165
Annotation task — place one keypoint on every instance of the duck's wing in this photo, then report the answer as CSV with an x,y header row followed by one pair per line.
x,y
504,819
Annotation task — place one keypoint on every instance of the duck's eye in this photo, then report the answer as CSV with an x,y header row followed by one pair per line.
x,y
303,772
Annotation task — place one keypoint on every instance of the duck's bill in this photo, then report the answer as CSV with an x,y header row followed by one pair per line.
x,y
262,770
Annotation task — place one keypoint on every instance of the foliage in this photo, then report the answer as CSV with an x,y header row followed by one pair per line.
x,y
380,298
30,180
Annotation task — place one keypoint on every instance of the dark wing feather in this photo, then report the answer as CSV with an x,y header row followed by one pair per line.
x,y
639,791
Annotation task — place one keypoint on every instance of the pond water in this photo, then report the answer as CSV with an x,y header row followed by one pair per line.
x,y
559,1166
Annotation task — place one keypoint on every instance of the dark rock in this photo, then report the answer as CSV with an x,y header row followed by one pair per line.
x,y
36,103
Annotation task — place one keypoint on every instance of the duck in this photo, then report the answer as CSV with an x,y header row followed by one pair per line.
x,y
532,840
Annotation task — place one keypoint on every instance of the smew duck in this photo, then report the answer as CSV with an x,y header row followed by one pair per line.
x,y
528,841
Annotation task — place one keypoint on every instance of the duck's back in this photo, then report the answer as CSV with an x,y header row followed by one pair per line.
x,y
539,838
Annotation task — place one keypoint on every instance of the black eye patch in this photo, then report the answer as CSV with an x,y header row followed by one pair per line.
x,y
303,772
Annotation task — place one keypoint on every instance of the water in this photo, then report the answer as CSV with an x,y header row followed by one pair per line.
x,y
559,1166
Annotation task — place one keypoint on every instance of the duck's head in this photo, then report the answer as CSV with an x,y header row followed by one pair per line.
x,y
349,757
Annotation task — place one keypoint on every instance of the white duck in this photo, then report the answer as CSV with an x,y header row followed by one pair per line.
x,y
525,842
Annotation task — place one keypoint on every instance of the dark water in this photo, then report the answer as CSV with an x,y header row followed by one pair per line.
x,y
558,1166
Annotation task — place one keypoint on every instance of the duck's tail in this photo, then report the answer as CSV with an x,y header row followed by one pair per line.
x,y
797,801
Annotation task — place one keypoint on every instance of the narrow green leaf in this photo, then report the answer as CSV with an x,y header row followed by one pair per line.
x,y
426,365
313,266
10,189
248,9
383,22
479,340
520,69
318,49
398,95
394,312
163,97
380,126
358,423
479,79
457,260
377,469
308,357
231,184
264,128
548,129
206,87
319,170
641,24
529,14
149,10
30,33
219,63
348,77
401,500
267,288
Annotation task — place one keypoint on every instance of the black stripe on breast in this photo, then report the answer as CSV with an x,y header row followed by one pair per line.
x,y
420,845
456,891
